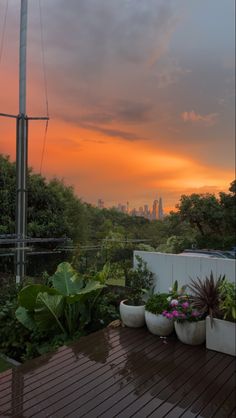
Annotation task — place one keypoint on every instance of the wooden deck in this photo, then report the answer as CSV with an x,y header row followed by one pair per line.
x,y
122,373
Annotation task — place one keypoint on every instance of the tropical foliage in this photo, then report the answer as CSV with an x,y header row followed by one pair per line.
x,y
206,295
228,300
64,307
157,303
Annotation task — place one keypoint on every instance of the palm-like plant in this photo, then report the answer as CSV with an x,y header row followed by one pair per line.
x,y
206,295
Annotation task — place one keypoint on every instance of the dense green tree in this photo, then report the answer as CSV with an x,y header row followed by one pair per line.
x,y
55,211
213,218
7,195
53,208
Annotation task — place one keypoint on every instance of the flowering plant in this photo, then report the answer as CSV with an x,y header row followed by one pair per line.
x,y
181,309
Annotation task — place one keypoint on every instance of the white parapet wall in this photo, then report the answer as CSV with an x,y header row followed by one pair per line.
x,y
170,267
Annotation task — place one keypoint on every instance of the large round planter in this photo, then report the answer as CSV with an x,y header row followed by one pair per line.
x,y
132,316
193,333
159,324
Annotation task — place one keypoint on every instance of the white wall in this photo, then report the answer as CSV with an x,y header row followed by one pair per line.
x,y
170,267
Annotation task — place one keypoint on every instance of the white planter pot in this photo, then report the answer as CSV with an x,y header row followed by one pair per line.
x,y
221,336
193,333
132,316
158,324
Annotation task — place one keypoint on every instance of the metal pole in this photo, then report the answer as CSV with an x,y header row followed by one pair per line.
x,y
22,150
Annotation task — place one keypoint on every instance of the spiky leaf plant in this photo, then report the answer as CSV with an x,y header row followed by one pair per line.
x,y
206,295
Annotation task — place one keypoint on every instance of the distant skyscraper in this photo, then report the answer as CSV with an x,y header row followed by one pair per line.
x,y
100,204
160,209
155,209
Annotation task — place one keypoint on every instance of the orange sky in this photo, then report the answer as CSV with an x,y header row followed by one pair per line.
x,y
132,130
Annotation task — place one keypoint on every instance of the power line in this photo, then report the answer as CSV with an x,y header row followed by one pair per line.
x,y
3,30
44,146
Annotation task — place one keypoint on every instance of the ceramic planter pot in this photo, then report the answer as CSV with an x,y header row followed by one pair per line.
x,y
132,316
158,324
221,336
193,333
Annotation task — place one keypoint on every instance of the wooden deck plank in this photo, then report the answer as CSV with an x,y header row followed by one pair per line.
x,y
82,382
183,397
70,364
145,392
217,383
120,388
77,366
159,393
122,373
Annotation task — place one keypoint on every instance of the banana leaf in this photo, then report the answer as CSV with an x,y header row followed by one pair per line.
x,y
28,295
48,310
66,281
25,317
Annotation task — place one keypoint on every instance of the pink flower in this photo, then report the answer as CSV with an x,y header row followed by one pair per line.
x,y
182,316
174,302
185,305
169,315
195,313
164,313
175,313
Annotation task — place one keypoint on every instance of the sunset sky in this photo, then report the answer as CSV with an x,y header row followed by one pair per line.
x,y
141,96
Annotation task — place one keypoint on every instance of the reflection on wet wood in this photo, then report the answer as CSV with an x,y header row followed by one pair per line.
x,y
122,372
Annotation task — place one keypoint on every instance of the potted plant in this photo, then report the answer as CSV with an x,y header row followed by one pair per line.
x,y
206,295
215,298
132,308
157,323
189,323
221,333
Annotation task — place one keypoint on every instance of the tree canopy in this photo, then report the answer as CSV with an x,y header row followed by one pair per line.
x,y
54,210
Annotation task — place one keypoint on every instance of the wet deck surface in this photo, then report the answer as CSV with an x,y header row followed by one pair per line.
x,y
122,373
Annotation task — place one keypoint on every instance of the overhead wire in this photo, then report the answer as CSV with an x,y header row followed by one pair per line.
x,y
45,84
3,31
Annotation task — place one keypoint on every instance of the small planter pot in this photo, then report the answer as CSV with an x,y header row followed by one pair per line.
x,y
221,336
132,316
158,324
193,333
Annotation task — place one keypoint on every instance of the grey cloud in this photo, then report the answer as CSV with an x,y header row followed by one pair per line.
x,y
124,111
115,133
93,35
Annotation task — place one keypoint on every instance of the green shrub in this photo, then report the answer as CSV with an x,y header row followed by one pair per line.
x,y
63,308
105,311
228,300
140,280
157,303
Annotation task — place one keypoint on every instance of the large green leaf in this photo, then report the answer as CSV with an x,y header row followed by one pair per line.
x,y
25,317
28,295
90,287
48,310
66,280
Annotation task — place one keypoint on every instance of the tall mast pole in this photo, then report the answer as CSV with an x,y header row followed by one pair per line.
x,y
22,150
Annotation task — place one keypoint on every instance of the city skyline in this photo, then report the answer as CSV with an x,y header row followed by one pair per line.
x,y
153,212
136,105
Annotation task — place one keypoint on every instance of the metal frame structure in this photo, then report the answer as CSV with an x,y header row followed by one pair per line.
x,y
22,148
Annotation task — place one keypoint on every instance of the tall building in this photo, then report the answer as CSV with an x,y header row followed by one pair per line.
x,y
160,209
155,209
100,204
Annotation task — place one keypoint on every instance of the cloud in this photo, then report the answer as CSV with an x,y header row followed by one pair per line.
x,y
114,133
206,120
